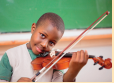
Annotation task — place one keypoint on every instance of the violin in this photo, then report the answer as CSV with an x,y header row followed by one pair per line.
x,y
63,63
43,64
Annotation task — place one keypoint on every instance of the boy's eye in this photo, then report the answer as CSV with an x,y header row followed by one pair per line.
x,y
52,43
42,35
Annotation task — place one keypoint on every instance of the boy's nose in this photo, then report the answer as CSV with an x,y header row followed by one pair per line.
x,y
44,44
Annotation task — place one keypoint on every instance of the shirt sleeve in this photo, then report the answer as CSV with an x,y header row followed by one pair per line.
x,y
5,68
58,75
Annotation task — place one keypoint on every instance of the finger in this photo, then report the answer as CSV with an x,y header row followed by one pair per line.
x,y
27,79
82,56
78,56
74,56
86,56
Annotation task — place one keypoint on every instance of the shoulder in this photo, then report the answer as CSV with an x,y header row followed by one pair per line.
x,y
5,62
4,56
5,68
16,54
17,48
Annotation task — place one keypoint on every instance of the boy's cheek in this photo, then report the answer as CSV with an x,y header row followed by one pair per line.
x,y
50,48
35,41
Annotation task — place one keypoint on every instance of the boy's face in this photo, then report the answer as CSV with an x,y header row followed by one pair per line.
x,y
44,37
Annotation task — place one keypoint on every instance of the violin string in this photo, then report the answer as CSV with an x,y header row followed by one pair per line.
x,y
67,50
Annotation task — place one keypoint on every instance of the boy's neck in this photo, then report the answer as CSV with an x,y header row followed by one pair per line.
x,y
28,47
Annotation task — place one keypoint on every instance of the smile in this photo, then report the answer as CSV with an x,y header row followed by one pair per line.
x,y
38,49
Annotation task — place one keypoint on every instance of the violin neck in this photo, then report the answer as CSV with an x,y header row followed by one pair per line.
x,y
70,55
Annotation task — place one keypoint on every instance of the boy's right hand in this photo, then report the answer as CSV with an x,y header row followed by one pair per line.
x,y
24,79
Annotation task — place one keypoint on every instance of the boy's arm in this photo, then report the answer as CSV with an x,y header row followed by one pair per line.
x,y
5,68
78,60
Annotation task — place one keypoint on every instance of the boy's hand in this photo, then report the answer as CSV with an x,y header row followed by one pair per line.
x,y
24,79
78,60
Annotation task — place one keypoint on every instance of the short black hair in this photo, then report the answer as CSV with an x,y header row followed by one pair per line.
x,y
55,20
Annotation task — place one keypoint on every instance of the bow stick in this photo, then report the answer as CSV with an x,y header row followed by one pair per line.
x,y
67,48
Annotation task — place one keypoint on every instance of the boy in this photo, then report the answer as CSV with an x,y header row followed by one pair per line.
x,y
15,64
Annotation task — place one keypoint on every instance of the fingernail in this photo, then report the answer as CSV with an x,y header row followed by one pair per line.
x,y
86,51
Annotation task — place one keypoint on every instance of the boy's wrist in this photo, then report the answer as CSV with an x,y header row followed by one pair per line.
x,y
70,76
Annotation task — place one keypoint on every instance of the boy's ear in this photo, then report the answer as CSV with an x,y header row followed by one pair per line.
x,y
33,27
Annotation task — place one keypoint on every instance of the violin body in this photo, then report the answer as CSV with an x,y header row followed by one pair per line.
x,y
63,63
41,62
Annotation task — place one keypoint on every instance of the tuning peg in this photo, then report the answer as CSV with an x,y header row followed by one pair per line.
x,y
101,56
96,63
101,67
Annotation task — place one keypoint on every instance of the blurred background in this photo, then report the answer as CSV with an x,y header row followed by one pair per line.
x,y
17,16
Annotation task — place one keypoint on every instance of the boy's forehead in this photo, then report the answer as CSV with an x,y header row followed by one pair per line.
x,y
45,22
47,25
50,30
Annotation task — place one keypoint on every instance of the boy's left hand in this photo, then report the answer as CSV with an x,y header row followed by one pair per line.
x,y
78,60
24,79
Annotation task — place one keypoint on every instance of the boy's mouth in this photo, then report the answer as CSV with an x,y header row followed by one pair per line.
x,y
38,49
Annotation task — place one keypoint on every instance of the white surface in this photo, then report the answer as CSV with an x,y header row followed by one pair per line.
x,y
68,33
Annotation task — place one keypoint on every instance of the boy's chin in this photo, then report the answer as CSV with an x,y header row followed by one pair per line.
x,y
36,52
